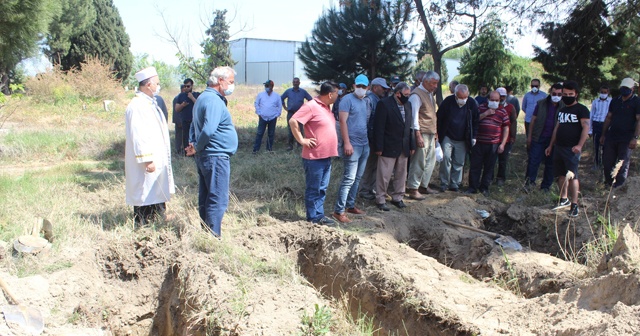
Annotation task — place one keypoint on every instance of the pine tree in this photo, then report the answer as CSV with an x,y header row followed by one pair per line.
x,y
22,25
105,38
486,60
70,18
215,47
362,36
578,47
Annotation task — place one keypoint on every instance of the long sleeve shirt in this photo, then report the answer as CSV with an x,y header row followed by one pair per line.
x,y
599,110
529,102
268,106
212,131
415,107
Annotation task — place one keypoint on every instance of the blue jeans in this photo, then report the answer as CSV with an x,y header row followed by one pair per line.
x,y
317,174
262,125
213,194
536,157
354,166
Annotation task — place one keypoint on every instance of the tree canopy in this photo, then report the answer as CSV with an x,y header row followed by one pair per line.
x,y
359,37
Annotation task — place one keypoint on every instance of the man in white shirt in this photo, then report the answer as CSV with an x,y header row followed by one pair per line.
x,y
599,110
268,108
148,173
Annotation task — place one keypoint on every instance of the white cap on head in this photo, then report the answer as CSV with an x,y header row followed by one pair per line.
x,y
145,74
502,91
628,82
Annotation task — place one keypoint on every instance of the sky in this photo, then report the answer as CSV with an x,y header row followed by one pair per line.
x,y
276,19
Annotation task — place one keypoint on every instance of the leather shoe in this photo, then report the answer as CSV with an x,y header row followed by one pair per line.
x,y
399,204
383,207
355,211
342,218
428,191
414,194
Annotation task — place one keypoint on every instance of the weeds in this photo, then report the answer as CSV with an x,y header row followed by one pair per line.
x,y
509,279
317,324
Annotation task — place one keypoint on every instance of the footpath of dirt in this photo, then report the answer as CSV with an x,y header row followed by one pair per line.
x,y
414,274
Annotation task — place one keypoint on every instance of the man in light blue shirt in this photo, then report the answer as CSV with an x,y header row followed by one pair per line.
x,y
353,146
529,102
599,110
295,97
268,108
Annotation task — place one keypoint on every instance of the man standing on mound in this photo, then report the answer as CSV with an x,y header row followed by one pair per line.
x,y
149,177
569,135
213,140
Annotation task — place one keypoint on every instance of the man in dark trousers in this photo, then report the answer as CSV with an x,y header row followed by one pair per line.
x,y
177,123
393,143
184,106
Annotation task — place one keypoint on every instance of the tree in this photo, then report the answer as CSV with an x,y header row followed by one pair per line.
x,y
361,36
579,46
22,24
426,63
215,47
70,18
105,39
486,60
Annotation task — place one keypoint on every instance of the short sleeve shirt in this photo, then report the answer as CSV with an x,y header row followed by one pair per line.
x,y
569,126
358,119
320,124
186,114
623,118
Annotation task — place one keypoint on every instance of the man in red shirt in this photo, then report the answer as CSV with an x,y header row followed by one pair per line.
x,y
319,146
493,133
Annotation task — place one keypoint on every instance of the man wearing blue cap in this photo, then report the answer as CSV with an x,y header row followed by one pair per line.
x,y
353,147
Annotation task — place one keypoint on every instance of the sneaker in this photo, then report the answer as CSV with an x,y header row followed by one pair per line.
x,y
399,204
564,202
355,211
383,207
342,218
326,221
574,210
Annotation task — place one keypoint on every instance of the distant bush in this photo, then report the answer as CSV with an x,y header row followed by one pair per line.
x,y
95,82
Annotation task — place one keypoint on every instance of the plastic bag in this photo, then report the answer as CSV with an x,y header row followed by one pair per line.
x,y
439,154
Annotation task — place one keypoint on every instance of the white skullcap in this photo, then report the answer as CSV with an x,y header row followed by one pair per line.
x,y
145,74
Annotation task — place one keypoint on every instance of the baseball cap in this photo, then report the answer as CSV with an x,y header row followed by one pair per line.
x,y
380,81
502,91
268,82
342,85
395,79
362,80
628,82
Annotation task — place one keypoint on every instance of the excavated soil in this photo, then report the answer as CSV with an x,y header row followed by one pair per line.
x,y
407,269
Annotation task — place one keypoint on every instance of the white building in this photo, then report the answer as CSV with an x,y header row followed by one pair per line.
x,y
260,59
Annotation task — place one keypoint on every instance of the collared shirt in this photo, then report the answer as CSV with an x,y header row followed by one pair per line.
x,y
529,102
599,110
319,124
490,127
415,106
268,106
295,98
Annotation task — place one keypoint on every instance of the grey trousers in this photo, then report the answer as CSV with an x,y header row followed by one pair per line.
x,y
422,163
452,164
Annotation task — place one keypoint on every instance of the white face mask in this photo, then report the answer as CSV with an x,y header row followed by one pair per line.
x,y
229,89
604,96
534,89
360,92
461,102
340,92
493,104
157,90
556,99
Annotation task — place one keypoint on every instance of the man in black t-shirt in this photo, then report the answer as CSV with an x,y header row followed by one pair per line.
x,y
621,130
569,135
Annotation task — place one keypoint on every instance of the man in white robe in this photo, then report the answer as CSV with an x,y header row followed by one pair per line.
x,y
149,177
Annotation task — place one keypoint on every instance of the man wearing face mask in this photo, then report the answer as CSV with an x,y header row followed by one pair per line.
x,y
148,172
392,144
368,184
621,132
268,108
493,133
599,110
335,108
569,135
529,102
184,106
213,141
353,147
457,131
424,126
539,136
294,97
503,157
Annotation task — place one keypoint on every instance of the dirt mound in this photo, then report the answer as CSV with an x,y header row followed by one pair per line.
x,y
625,255
625,207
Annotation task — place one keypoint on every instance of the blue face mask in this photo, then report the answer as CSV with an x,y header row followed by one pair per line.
x,y
625,91
267,89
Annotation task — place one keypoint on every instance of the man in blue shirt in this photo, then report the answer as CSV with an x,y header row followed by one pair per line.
x,y
483,97
268,108
184,106
529,102
213,139
294,97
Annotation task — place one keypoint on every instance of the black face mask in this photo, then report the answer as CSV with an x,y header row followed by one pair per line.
x,y
625,91
568,100
403,99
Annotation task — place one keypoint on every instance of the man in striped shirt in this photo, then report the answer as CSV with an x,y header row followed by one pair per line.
x,y
599,110
493,133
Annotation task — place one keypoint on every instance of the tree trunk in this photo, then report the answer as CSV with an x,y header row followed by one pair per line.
x,y
437,67
4,83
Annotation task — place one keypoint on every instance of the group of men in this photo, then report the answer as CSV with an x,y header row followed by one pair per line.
x,y
387,137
